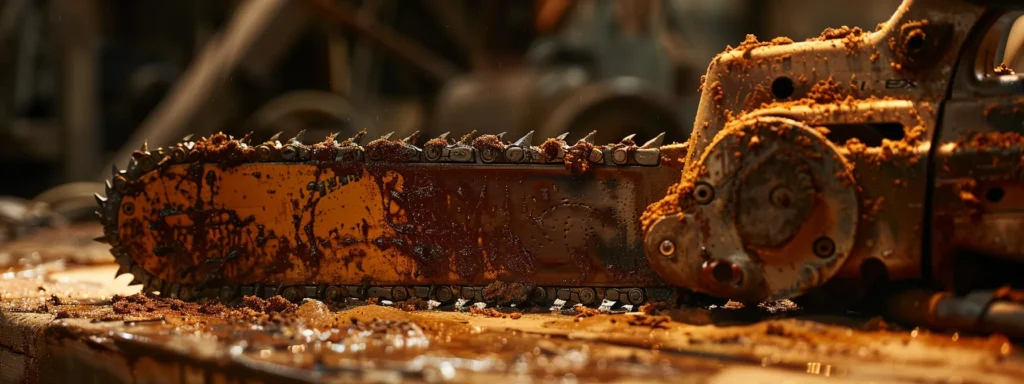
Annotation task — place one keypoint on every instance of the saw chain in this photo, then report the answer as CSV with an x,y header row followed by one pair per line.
x,y
221,218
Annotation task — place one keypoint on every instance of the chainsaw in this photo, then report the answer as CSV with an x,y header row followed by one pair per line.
x,y
221,218
873,169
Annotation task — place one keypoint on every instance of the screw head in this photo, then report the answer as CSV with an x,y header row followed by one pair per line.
x,y
514,154
399,293
703,193
587,296
488,155
432,153
667,248
636,296
291,294
781,197
619,156
443,294
824,247
264,153
146,163
539,295
332,293
180,155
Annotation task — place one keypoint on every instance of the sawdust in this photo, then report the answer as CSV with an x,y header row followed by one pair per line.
x,y
550,149
128,305
872,207
439,142
965,191
326,150
500,293
903,49
224,150
750,43
1003,70
577,157
354,139
989,140
852,38
759,97
467,138
583,312
393,151
412,304
491,142
826,92
717,92
654,307
654,322
672,202
491,312
275,304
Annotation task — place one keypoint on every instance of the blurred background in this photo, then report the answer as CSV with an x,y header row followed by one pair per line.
x,y
84,82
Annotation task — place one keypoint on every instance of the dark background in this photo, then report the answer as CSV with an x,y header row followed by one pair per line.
x,y
79,77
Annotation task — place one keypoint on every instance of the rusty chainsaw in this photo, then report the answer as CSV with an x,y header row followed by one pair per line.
x,y
218,217
821,169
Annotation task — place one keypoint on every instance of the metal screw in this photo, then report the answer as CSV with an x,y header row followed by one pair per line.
x,y
432,153
539,295
703,193
667,248
264,153
290,294
443,294
514,154
179,155
399,293
332,293
488,155
619,156
636,296
146,163
824,247
587,296
781,197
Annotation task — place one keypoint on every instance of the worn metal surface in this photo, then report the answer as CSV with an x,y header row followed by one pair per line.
x,y
219,218
877,96
770,188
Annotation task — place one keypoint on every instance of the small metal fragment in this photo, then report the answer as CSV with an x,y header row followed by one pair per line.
x,y
589,137
655,142
559,303
525,141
